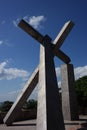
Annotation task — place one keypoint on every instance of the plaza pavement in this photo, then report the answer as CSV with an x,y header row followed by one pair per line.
x,y
80,124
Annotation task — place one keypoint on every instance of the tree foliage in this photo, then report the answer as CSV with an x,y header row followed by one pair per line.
x,y
81,86
81,90
5,106
31,104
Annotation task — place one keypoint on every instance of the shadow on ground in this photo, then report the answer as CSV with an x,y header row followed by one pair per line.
x,y
80,124
83,126
24,124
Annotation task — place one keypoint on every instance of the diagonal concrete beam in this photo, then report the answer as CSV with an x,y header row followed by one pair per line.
x,y
31,31
26,92
59,41
63,34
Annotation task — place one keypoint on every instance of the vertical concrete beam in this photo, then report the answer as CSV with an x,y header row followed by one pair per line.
x,y
14,112
49,112
69,101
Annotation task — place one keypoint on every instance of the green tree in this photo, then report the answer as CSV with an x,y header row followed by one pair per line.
x,y
81,90
5,106
31,104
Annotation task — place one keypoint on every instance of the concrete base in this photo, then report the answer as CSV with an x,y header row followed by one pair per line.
x,y
49,112
69,101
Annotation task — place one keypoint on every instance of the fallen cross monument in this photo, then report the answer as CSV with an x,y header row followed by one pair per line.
x,y
49,111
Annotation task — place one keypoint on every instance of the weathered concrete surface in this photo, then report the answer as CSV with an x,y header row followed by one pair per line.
x,y
49,112
39,37
48,79
56,43
14,112
69,101
31,31
63,34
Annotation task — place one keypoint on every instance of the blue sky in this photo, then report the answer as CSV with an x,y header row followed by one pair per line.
x,y
19,53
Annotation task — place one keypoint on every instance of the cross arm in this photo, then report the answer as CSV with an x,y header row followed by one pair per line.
x,y
63,34
60,39
56,43
62,56
31,31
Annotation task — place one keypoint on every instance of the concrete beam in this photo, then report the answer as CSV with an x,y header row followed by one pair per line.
x,y
60,38
39,37
62,56
31,31
25,93
49,112
63,34
69,101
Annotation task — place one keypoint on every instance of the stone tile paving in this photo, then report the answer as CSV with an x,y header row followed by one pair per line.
x,y
81,124
31,125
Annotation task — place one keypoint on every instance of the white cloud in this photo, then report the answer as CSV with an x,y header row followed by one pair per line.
x,y
1,42
59,84
11,73
16,73
5,42
34,21
80,72
15,22
2,65
58,72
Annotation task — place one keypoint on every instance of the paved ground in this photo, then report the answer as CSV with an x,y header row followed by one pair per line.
x,y
81,124
23,125
31,125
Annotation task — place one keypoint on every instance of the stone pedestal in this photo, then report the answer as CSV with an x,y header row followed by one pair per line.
x,y
69,101
49,112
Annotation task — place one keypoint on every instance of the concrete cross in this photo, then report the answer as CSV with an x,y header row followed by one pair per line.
x,y
49,114
57,43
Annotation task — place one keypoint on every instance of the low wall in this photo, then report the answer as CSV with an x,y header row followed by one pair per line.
x,y
32,114
82,110
24,115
